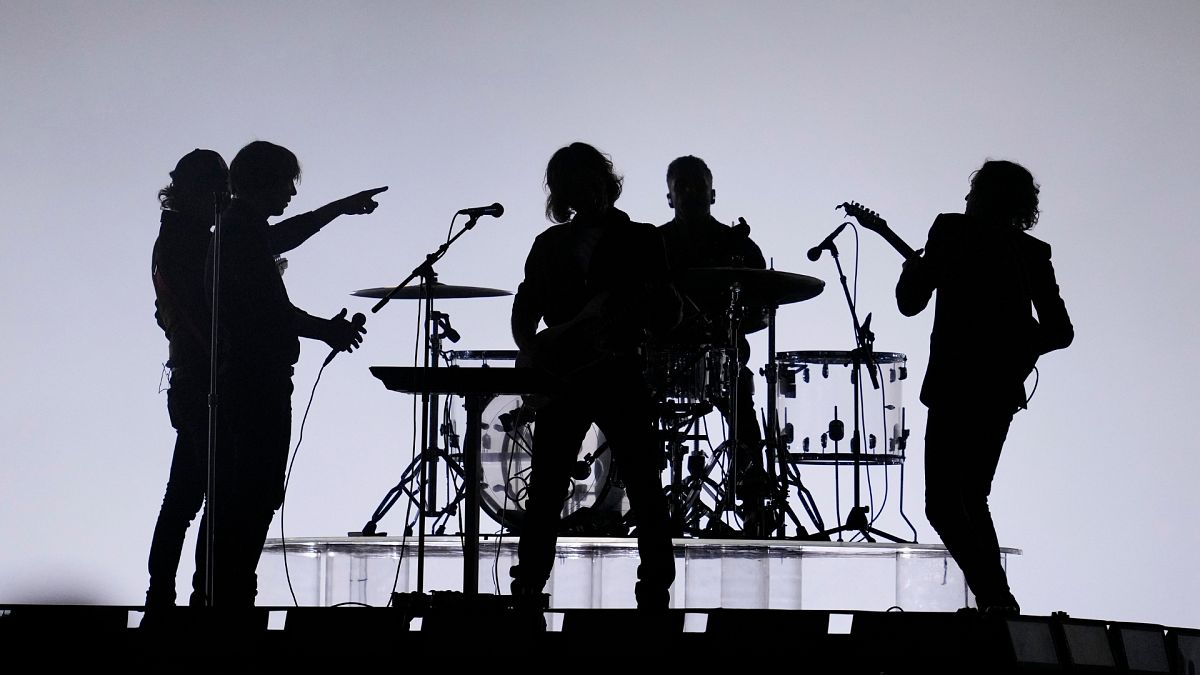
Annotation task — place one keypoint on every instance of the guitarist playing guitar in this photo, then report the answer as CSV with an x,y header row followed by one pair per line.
x,y
990,276
601,284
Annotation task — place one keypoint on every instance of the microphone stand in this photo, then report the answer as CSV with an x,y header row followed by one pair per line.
x,y
863,354
430,430
210,487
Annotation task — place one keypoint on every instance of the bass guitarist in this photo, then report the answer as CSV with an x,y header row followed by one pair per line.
x,y
600,283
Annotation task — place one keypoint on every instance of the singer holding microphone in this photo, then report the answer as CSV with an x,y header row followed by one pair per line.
x,y
259,331
199,189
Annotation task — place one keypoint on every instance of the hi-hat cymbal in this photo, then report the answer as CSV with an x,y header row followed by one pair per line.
x,y
440,291
763,288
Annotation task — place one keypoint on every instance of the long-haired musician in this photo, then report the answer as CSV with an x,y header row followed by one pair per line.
x,y
599,281
990,275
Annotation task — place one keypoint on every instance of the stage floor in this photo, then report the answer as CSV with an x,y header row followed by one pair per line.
x,y
599,572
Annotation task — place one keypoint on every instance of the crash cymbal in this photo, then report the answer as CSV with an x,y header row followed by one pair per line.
x,y
440,291
764,288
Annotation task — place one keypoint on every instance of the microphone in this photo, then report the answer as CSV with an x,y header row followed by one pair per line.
x,y
495,210
443,322
359,320
815,252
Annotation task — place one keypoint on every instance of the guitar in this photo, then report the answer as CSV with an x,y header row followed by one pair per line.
x,y
578,344
871,220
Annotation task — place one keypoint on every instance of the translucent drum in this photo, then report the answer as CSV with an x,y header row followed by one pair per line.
x,y
596,503
815,407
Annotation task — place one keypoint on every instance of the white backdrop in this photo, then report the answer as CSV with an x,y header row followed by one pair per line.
x,y
796,107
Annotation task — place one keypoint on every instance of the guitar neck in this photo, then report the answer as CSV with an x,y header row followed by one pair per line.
x,y
897,243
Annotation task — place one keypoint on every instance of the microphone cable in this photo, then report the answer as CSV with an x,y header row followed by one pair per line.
x,y
287,479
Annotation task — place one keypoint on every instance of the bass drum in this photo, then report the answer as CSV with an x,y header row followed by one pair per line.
x,y
596,504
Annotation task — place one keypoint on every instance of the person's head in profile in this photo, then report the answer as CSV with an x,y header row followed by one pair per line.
x,y
1004,193
264,176
580,181
199,185
690,188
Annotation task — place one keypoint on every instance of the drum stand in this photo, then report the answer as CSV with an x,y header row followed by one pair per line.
x,y
779,496
688,509
423,469
857,520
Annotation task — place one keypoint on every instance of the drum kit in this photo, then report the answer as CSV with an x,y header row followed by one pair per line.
x,y
811,397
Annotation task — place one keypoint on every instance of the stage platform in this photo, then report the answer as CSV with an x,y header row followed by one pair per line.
x,y
599,573
454,632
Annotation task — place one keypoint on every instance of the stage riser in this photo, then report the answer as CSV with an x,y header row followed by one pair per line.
x,y
456,628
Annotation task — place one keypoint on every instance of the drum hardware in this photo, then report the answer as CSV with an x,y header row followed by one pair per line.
x,y
596,499
861,356
437,290
764,290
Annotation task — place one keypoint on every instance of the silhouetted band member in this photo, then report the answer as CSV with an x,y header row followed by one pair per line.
x,y
694,238
600,283
259,345
199,183
989,275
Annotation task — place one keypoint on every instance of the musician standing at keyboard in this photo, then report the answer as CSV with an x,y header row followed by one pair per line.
x,y
694,238
199,185
989,275
600,283
260,331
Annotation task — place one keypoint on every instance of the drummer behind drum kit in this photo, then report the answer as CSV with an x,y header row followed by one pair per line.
x,y
811,397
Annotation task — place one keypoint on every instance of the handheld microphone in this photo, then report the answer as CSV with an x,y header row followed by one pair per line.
x,y
359,320
815,252
495,210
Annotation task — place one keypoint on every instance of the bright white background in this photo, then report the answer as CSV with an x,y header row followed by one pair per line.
x,y
796,106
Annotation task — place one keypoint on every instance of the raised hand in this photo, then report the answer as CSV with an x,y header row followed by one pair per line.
x,y
360,202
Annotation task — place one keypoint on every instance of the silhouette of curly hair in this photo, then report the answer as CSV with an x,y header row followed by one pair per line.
x,y
1004,192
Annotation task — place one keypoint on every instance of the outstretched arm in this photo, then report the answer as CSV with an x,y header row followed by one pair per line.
x,y
288,234
337,332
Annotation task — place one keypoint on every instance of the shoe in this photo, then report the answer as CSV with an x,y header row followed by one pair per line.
x,y
652,597
1002,609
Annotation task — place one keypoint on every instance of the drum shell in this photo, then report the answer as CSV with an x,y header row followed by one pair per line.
x,y
594,503
816,389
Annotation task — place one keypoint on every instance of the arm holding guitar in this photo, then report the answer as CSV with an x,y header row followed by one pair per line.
x,y
871,220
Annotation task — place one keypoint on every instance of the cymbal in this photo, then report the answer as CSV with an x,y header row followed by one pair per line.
x,y
440,290
765,288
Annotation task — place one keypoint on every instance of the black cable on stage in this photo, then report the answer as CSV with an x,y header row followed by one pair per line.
x,y
288,477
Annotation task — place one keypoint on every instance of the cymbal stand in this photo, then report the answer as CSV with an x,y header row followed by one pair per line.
x,y
435,326
862,355
779,496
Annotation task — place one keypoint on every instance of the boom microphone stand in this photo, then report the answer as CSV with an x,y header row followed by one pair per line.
x,y
435,327
862,355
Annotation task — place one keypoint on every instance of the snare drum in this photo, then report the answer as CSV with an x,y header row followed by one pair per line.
x,y
815,399
699,373
593,503
483,357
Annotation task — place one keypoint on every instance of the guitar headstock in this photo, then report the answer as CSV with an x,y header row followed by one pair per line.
x,y
866,217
